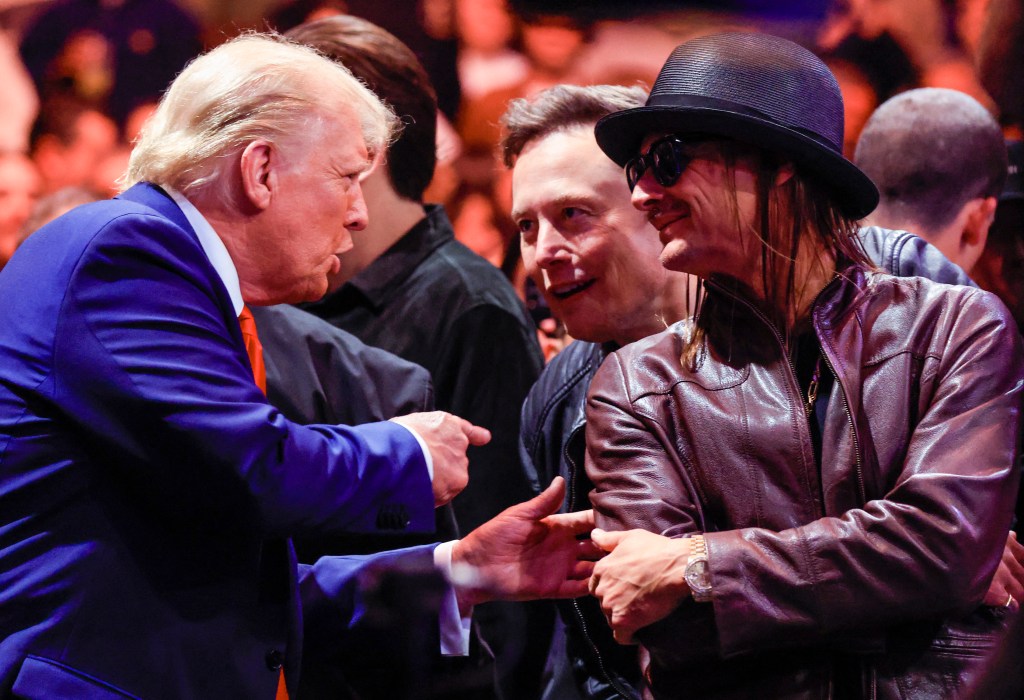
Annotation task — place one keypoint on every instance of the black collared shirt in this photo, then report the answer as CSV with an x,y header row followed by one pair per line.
x,y
432,301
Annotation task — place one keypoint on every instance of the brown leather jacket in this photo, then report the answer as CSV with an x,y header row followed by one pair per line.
x,y
863,579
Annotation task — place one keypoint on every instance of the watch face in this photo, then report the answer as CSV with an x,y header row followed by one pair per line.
x,y
697,575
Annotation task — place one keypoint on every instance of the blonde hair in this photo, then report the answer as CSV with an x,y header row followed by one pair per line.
x,y
256,86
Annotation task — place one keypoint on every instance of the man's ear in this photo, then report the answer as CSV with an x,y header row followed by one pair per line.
x,y
257,170
980,216
973,221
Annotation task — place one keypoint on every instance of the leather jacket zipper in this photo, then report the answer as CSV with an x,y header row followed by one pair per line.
x,y
573,468
580,618
842,389
792,369
846,403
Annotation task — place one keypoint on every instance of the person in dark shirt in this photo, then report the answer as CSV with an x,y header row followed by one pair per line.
x,y
408,287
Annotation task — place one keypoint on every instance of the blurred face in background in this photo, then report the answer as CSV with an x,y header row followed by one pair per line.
x,y
19,188
62,164
552,44
484,25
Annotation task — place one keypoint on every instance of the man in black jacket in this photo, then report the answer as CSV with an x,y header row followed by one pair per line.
x,y
595,258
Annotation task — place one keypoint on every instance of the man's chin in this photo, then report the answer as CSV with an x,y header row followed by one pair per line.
x,y
315,294
314,290
673,259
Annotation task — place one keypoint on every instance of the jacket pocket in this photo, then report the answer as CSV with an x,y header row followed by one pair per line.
x,y
962,657
44,679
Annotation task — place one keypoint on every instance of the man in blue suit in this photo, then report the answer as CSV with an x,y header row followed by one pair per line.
x,y
147,489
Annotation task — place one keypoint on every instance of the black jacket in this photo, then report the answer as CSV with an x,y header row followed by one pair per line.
x,y
552,443
317,373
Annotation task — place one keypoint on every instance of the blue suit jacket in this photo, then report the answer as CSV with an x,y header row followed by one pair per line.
x,y
147,488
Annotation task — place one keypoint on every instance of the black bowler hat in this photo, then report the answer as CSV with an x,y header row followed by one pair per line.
x,y
757,89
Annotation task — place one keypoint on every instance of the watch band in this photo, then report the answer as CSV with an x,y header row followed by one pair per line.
x,y
697,575
700,547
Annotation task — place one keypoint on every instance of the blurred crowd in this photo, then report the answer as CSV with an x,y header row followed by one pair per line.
x,y
81,76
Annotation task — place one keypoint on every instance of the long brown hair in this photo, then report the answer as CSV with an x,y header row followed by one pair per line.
x,y
786,212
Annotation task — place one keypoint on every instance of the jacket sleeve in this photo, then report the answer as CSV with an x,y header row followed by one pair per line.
x,y
926,549
317,373
151,371
338,592
634,463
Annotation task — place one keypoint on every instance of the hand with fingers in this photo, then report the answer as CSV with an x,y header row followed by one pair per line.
x,y
447,438
640,581
526,552
1007,587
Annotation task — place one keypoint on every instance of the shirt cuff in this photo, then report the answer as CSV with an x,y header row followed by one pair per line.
x,y
454,627
426,456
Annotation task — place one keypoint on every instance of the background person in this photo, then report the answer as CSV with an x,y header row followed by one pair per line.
x,y
408,287
19,188
939,161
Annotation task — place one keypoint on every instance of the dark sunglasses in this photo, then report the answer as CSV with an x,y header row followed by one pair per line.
x,y
667,158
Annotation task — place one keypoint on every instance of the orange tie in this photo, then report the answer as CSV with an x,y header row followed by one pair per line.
x,y
254,348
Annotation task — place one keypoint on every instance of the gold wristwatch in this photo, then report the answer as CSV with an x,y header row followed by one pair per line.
x,y
697,573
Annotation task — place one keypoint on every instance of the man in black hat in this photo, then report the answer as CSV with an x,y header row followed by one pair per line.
x,y
805,487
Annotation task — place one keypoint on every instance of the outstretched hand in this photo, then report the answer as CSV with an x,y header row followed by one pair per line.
x,y
526,552
640,581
